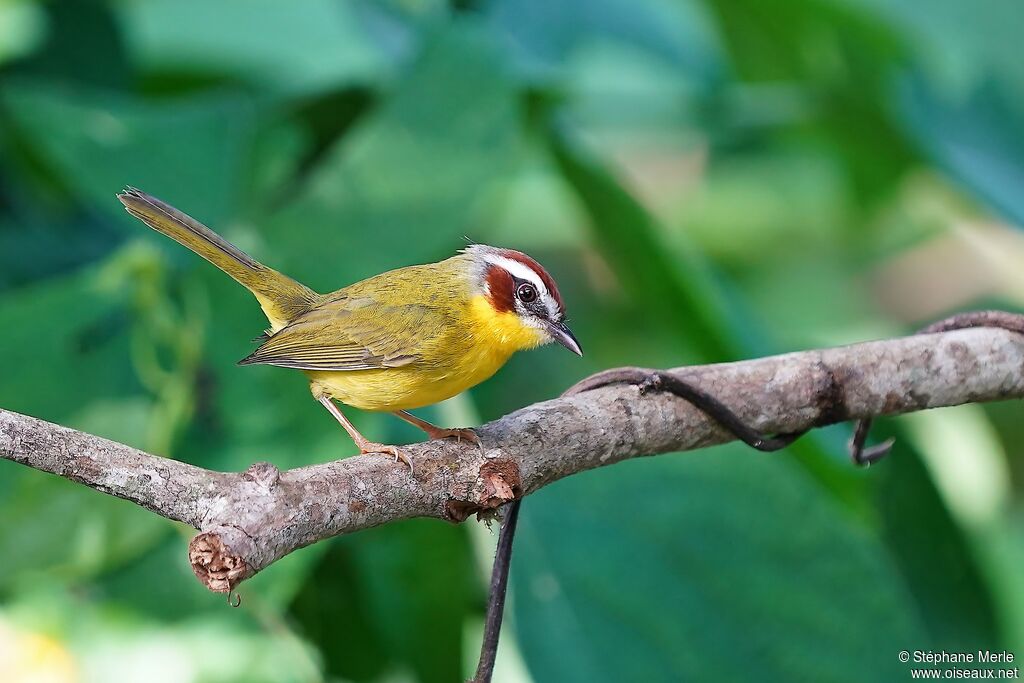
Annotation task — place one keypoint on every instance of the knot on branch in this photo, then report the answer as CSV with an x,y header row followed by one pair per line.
x,y
498,483
830,394
214,564
265,474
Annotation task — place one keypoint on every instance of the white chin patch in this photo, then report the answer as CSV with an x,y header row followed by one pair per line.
x,y
530,320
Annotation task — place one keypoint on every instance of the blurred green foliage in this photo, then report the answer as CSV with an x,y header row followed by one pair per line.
x,y
708,179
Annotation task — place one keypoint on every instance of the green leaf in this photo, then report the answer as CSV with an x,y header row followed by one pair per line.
x,y
22,29
419,580
51,528
41,244
956,604
83,43
189,152
956,60
406,181
285,48
406,590
66,359
722,566
836,60
544,36
59,337
681,291
979,142
351,647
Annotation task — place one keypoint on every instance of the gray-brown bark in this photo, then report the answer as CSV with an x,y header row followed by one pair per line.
x,y
251,519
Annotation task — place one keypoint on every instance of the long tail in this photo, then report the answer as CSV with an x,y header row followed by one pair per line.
x,y
282,298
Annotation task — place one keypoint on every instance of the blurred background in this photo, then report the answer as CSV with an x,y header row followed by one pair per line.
x,y
708,180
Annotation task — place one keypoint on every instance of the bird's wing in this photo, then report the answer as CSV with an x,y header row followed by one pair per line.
x,y
349,334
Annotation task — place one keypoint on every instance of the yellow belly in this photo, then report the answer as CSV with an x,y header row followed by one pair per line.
x,y
390,389
483,342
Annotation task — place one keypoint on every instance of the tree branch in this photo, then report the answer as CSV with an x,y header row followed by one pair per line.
x,y
249,520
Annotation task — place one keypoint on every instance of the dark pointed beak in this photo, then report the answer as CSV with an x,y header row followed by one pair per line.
x,y
564,336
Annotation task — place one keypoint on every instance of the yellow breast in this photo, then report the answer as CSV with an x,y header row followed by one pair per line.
x,y
479,342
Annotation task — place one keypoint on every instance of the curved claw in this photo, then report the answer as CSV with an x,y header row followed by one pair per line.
x,y
370,448
460,434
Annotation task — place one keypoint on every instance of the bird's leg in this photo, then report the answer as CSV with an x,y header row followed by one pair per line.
x,y
364,444
435,432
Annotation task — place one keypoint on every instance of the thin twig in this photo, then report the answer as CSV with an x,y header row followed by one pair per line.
x,y
496,596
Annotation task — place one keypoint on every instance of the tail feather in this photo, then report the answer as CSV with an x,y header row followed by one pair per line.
x,y
282,298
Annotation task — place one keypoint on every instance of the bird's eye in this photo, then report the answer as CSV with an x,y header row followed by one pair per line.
x,y
527,293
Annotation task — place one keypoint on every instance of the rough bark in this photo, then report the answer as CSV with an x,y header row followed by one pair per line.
x,y
248,520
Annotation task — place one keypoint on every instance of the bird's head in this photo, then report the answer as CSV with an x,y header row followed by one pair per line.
x,y
522,298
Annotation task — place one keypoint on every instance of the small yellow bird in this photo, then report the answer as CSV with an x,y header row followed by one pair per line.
x,y
403,339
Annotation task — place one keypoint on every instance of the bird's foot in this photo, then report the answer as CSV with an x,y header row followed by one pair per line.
x,y
434,432
371,448
460,434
